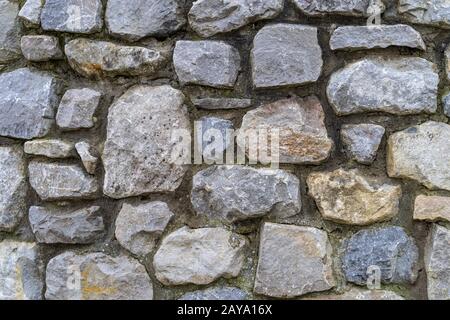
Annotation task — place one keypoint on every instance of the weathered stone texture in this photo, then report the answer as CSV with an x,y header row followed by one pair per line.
x,y
40,48
432,208
355,8
216,293
30,13
360,294
213,137
88,156
199,256
234,193
361,141
51,148
9,31
431,12
221,103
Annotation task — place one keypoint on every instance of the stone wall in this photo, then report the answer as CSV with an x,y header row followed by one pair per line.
x,y
92,207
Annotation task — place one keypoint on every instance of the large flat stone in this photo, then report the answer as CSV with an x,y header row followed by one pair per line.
x,y
206,63
92,58
293,261
199,256
432,208
138,152
209,17
13,187
421,153
21,271
301,61
233,193
51,148
398,85
40,48
9,31
356,8
28,100
300,125
75,16
350,197
66,225
430,12
97,276
133,20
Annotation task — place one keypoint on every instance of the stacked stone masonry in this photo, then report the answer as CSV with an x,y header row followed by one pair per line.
x,y
92,206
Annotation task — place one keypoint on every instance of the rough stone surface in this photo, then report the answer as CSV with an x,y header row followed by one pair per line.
x,y
61,225
303,137
349,197
302,56
394,85
437,263
30,13
390,249
76,16
432,208
88,156
216,293
21,271
447,61
152,113
28,100
371,37
209,17
199,256
358,8
222,103
214,136
446,104
361,141
139,225
40,48
93,58
57,181
103,277
13,187
76,109
234,193
206,63
9,31
133,20
430,12
421,153
293,261
51,148
360,294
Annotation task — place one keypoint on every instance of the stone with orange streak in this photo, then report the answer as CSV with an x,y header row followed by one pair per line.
x,y
303,136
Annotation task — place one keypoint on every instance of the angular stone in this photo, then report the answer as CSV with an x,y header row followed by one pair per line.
x,y
40,48
21,271
300,122
199,256
138,152
350,197
27,103
55,181
139,225
430,12
75,16
30,13
421,153
133,20
302,56
361,141
9,31
432,208
222,103
103,277
213,137
360,294
51,148
447,60
234,193
206,63
59,225
446,104
357,8
377,36
293,261
398,85
88,156
93,58
77,108
208,18
216,293
437,263
13,187
389,250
